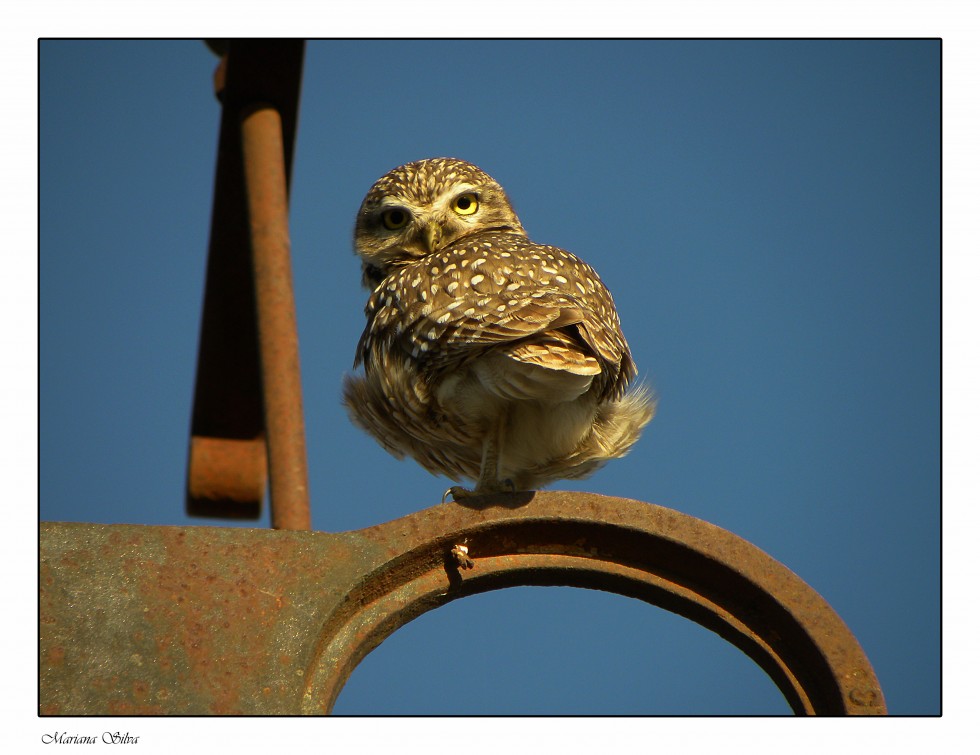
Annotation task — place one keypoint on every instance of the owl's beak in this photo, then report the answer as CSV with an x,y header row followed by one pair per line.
x,y
433,235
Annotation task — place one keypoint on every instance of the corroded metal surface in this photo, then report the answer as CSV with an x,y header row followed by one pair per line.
x,y
213,620
227,469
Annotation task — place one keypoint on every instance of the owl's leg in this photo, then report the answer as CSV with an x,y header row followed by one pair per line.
x,y
489,482
491,456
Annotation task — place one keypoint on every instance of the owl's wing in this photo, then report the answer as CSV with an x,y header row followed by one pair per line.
x,y
549,329
537,304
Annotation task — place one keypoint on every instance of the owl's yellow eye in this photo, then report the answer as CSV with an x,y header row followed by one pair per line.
x,y
394,219
465,204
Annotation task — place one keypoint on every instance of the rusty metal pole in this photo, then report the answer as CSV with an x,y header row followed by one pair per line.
x,y
268,211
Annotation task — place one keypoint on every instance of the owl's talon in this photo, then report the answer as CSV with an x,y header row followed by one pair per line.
x,y
458,493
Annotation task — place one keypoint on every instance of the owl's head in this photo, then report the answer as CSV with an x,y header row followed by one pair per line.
x,y
422,207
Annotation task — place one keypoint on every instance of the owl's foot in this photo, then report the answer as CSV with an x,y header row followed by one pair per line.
x,y
459,493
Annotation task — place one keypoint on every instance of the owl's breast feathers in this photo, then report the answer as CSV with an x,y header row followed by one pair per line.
x,y
497,292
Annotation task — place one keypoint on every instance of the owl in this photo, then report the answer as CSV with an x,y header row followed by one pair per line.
x,y
487,357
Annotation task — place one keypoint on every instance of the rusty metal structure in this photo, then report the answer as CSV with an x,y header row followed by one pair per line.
x,y
211,620
247,425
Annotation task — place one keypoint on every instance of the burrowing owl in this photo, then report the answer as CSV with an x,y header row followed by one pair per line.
x,y
486,356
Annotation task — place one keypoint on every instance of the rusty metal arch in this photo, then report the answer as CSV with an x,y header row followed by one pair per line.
x,y
639,550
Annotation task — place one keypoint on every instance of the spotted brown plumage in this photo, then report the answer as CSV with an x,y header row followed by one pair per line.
x,y
486,356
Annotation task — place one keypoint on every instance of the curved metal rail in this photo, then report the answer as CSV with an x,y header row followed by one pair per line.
x,y
643,551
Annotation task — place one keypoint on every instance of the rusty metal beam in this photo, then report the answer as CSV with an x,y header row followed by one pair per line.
x,y
268,204
213,620
247,421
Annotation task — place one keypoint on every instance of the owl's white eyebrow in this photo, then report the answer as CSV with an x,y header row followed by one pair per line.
x,y
464,188
401,204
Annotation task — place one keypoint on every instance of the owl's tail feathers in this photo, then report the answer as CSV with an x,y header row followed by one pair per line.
x,y
617,427
619,423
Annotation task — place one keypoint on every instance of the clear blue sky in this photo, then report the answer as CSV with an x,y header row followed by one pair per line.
x,y
767,216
